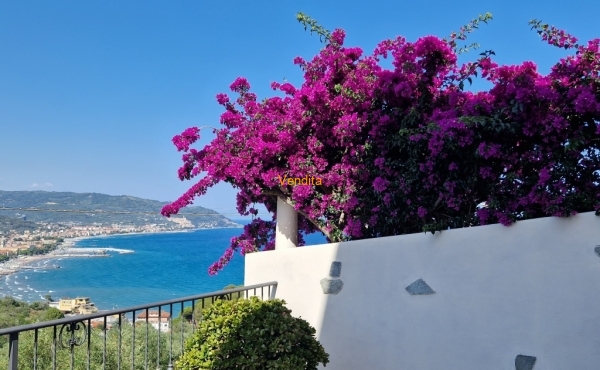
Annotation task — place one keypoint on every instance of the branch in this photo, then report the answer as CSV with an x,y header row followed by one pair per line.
x,y
314,27
279,194
437,202
214,128
464,30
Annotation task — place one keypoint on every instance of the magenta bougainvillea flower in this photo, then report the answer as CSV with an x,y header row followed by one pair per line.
x,y
405,149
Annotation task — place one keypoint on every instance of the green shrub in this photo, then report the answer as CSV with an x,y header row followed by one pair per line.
x,y
252,334
52,314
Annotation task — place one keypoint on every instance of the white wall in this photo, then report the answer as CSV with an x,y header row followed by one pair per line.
x,y
529,289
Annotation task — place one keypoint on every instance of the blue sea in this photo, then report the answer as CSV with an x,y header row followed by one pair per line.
x,y
164,266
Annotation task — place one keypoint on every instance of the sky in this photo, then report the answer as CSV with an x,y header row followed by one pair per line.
x,y
91,93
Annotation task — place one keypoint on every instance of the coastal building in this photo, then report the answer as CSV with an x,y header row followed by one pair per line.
x,y
110,321
161,323
79,305
182,222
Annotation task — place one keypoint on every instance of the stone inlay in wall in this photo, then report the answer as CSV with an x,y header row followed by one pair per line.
x,y
597,250
523,362
331,286
419,287
336,269
334,285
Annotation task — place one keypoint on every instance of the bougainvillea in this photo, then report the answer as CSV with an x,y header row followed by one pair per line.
x,y
406,149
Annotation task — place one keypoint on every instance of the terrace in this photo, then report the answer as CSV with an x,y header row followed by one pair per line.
x,y
486,297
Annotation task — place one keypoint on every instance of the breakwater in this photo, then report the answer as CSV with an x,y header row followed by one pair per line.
x,y
92,252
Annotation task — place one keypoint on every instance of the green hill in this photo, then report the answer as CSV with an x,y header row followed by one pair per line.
x,y
95,208
10,223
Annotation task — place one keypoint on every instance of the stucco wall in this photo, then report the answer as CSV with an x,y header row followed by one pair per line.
x,y
531,289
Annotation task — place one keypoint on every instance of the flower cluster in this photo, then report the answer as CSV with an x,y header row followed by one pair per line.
x,y
255,233
405,149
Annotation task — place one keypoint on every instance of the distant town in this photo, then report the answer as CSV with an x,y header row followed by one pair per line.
x,y
47,236
38,222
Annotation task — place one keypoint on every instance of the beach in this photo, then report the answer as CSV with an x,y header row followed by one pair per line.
x,y
164,266
36,263
22,262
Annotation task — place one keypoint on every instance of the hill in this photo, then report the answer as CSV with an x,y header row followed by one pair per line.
x,y
97,209
10,223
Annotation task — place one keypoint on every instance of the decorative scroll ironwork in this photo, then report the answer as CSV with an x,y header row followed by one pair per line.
x,y
224,297
76,331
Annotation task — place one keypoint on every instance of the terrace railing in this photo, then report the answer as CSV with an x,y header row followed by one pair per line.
x,y
134,342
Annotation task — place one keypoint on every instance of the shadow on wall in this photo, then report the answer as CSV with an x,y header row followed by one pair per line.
x,y
490,297
287,226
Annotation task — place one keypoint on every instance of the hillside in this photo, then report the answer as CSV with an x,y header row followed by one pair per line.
x,y
10,223
95,208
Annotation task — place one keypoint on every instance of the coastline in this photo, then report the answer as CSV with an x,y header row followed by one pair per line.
x,y
16,265
154,272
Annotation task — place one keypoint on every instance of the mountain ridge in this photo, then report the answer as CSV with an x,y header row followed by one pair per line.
x,y
98,208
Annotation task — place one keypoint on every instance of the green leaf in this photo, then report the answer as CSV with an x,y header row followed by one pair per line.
x,y
253,334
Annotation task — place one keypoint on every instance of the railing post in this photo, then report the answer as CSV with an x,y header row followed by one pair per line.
x,y
13,351
286,229
273,292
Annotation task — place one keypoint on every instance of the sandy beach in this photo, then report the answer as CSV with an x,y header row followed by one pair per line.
x,y
15,286
16,264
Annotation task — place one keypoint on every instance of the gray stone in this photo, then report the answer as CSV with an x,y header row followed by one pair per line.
x,y
419,287
523,362
597,250
331,286
336,269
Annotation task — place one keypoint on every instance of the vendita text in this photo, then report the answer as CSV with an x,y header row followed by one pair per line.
x,y
306,180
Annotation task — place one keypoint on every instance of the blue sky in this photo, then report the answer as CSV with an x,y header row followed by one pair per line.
x,y
91,93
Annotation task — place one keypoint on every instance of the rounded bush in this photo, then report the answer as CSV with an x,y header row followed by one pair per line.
x,y
252,334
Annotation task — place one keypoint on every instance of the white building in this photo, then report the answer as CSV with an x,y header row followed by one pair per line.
x,y
161,323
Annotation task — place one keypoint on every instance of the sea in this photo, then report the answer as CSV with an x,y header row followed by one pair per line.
x,y
163,266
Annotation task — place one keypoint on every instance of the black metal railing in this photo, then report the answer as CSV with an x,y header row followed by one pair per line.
x,y
101,340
